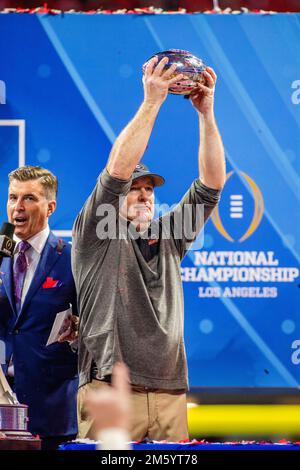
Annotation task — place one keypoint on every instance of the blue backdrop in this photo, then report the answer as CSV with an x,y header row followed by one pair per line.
x,y
68,86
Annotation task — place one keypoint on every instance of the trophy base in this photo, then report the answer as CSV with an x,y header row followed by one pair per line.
x,y
14,433
19,442
13,418
13,429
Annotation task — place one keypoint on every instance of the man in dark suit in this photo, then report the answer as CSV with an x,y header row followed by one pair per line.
x,y
34,286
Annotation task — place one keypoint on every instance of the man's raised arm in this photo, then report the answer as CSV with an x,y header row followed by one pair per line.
x,y
131,144
211,152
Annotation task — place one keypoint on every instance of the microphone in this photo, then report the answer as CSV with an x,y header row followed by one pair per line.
x,y
7,244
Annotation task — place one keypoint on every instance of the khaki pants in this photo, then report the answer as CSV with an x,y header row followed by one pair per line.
x,y
158,415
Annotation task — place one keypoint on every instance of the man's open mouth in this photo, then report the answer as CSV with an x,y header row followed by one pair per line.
x,y
19,221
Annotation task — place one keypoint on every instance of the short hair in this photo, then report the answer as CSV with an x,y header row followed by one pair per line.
x,y
47,179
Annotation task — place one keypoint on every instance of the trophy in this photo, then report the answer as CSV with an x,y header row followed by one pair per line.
x,y
14,421
189,65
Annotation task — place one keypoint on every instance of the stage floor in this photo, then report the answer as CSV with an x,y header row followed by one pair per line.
x,y
195,446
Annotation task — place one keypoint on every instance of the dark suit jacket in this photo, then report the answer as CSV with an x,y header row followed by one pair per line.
x,y
46,378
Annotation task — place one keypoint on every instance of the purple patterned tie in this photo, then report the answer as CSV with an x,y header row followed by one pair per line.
x,y
20,269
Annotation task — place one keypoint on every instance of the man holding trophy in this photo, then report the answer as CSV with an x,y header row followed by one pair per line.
x,y
129,288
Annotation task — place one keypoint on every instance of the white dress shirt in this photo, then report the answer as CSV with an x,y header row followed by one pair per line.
x,y
32,255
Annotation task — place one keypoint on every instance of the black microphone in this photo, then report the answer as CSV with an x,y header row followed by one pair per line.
x,y
7,244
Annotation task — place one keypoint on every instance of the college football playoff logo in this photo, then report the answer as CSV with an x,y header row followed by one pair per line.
x,y
236,210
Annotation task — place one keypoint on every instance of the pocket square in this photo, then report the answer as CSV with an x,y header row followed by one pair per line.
x,y
50,283
152,241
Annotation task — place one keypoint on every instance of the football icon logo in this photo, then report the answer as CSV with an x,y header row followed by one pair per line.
x,y
236,210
